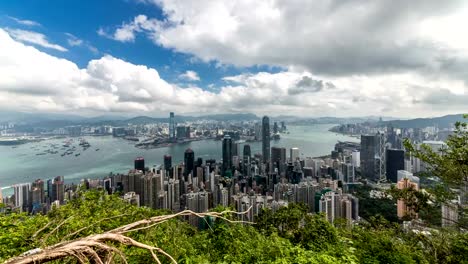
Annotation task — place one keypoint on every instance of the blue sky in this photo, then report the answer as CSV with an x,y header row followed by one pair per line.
x,y
302,57
84,18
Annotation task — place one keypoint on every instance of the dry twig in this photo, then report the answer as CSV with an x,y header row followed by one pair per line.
x,y
95,248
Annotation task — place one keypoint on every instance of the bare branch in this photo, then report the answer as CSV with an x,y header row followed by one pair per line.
x,y
86,249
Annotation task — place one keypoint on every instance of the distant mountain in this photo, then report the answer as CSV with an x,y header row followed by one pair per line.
x,y
179,118
227,117
25,117
104,118
29,121
332,120
441,122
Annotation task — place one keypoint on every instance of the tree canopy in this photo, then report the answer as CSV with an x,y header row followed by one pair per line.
x,y
289,235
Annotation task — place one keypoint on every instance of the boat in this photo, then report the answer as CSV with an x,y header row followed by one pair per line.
x,y
76,155
97,149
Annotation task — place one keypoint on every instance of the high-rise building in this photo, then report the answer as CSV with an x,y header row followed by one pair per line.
x,y
373,157
246,159
227,156
294,154
167,162
247,151
234,148
403,210
356,158
348,172
266,139
275,127
183,132
22,196
258,131
395,160
368,149
37,195
172,134
58,188
278,159
140,163
189,160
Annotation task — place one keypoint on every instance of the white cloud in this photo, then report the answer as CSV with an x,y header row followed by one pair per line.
x,y
110,84
329,37
127,31
25,22
73,40
190,76
34,38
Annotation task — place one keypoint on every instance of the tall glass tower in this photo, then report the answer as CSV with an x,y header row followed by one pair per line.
x,y
266,139
227,154
246,160
189,160
171,126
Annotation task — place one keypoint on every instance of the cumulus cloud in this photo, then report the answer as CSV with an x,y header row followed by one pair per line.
x,y
34,38
127,31
309,85
189,76
328,37
24,22
109,84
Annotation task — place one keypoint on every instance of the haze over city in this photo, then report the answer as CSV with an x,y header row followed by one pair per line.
x,y
305,58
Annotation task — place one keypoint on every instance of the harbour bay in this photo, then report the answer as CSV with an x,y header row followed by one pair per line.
x,y
21,164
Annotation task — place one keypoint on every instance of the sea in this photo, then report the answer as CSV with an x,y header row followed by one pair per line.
x,y
21,164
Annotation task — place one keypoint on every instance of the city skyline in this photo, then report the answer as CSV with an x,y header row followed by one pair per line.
x,y
233,131
152,57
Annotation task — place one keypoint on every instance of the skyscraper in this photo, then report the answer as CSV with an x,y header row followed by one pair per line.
x,y
140,163
368,149
189,160
395,161
266,139
22,196
58,189
278,158
246,151
171,125
373,157
167,162
294,154
227,155
37,194
246,159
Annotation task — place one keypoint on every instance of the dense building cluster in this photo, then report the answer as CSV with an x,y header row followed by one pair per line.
x,y
244,180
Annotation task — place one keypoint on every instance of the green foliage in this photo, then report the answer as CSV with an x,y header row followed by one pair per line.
x,y
372,207
289,235
449,164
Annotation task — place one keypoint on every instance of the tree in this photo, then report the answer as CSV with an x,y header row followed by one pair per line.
x,y
449,164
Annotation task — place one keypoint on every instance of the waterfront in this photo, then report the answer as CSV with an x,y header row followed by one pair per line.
x,y
21,164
